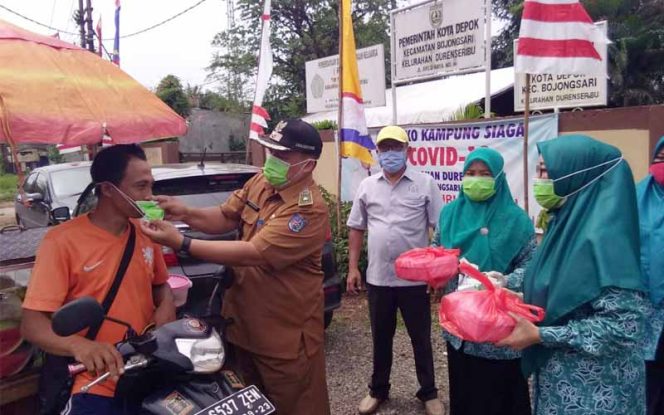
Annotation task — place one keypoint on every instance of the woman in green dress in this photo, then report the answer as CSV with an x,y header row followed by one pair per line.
x,y
495,234
585,356
650,197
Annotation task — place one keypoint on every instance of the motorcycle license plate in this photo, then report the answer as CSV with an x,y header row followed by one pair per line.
x,y
248,401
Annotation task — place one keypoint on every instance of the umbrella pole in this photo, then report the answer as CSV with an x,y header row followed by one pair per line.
x,y
17,166
4,124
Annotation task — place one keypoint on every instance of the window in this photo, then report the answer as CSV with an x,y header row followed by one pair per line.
x,y
70,182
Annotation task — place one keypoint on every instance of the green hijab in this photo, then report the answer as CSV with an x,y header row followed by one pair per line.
x,y
593,239
464,223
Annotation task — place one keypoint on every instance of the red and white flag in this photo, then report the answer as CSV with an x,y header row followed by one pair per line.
x,y
259,116
558,37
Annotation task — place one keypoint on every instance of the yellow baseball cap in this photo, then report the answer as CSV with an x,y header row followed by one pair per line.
x,y
392,132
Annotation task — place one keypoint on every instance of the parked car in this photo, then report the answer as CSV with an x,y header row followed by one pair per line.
x,y
50,193
204,186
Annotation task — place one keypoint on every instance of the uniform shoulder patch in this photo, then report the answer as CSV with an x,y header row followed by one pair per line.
x,y
306,198
296,223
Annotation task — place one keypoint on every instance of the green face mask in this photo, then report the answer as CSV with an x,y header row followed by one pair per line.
x,y
151,209
275,171
545,194
478,188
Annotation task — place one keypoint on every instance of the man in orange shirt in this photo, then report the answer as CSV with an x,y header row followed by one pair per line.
x,y
80,258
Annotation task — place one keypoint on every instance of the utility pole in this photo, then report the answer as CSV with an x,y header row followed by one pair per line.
x,y
88,19
81,22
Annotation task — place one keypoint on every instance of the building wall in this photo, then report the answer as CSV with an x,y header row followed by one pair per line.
x,y
161,153
634,130
325,173
633,143
212,131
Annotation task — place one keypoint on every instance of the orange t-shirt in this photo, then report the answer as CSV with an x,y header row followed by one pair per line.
x,y
78,259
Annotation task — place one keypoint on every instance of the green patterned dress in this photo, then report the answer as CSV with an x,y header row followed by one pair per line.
x,y
597,367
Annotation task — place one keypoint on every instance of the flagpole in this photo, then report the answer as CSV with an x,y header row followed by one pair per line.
x,y
340,116
247,148
526,119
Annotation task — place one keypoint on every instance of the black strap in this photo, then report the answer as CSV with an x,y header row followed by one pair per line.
x,y
119,275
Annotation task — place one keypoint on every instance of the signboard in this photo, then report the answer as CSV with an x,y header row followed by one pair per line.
x,y
28,156
563,91
440,150
439,38
322,77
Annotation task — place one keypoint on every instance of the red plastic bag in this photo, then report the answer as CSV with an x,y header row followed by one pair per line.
x,y
435,266
482,316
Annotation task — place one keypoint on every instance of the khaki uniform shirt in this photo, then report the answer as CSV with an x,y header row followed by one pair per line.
x,y
278,306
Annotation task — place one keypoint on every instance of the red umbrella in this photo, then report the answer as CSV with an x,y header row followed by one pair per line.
x,y
54,92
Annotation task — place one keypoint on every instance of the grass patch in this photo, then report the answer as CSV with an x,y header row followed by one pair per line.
x,y
7,187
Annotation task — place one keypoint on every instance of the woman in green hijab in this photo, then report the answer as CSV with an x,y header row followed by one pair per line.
x,y
650,198
495,234
585,356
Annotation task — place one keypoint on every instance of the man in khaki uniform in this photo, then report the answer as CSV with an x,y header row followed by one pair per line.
x,y
276,301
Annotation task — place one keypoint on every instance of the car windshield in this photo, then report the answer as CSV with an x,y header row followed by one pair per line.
x,y
71,181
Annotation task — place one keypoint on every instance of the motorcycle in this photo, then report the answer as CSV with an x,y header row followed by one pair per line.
x,y
177,368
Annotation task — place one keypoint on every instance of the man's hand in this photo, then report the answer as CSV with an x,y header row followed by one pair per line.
x,y
163,233
354,281
525,334
173,207
97,357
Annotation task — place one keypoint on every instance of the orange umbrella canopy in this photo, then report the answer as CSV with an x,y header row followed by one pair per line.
x,y
54,92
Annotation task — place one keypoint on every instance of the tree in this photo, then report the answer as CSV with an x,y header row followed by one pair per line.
x,y
470,111
171,92
54,155
636,56
302,30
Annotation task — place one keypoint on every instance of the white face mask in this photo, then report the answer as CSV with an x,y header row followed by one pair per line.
x,y
616,161
138,212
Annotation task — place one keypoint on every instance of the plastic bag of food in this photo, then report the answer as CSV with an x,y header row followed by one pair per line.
x,y
483,315
435,266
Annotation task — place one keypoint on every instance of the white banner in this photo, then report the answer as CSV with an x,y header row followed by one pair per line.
x,y
322,78
439,38
564,91
440,150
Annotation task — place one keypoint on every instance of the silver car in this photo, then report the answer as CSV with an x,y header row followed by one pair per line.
x,y
50,194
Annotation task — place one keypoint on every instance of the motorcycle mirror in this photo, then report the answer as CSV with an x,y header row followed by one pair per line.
x,y
77,315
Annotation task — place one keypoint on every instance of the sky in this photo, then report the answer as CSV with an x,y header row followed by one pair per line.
x,y
181,47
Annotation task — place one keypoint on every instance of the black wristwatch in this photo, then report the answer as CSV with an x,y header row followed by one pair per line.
x,y
186,245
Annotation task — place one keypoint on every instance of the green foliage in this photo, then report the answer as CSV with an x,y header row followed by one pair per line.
x,y
170,91
325,125
7,187
636,56
340,236
467,112
301,31
54,155
236,144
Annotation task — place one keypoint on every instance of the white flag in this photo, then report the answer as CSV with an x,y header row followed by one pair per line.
x,y
259,115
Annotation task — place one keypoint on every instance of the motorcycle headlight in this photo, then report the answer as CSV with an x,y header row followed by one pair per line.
x,y
207,355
